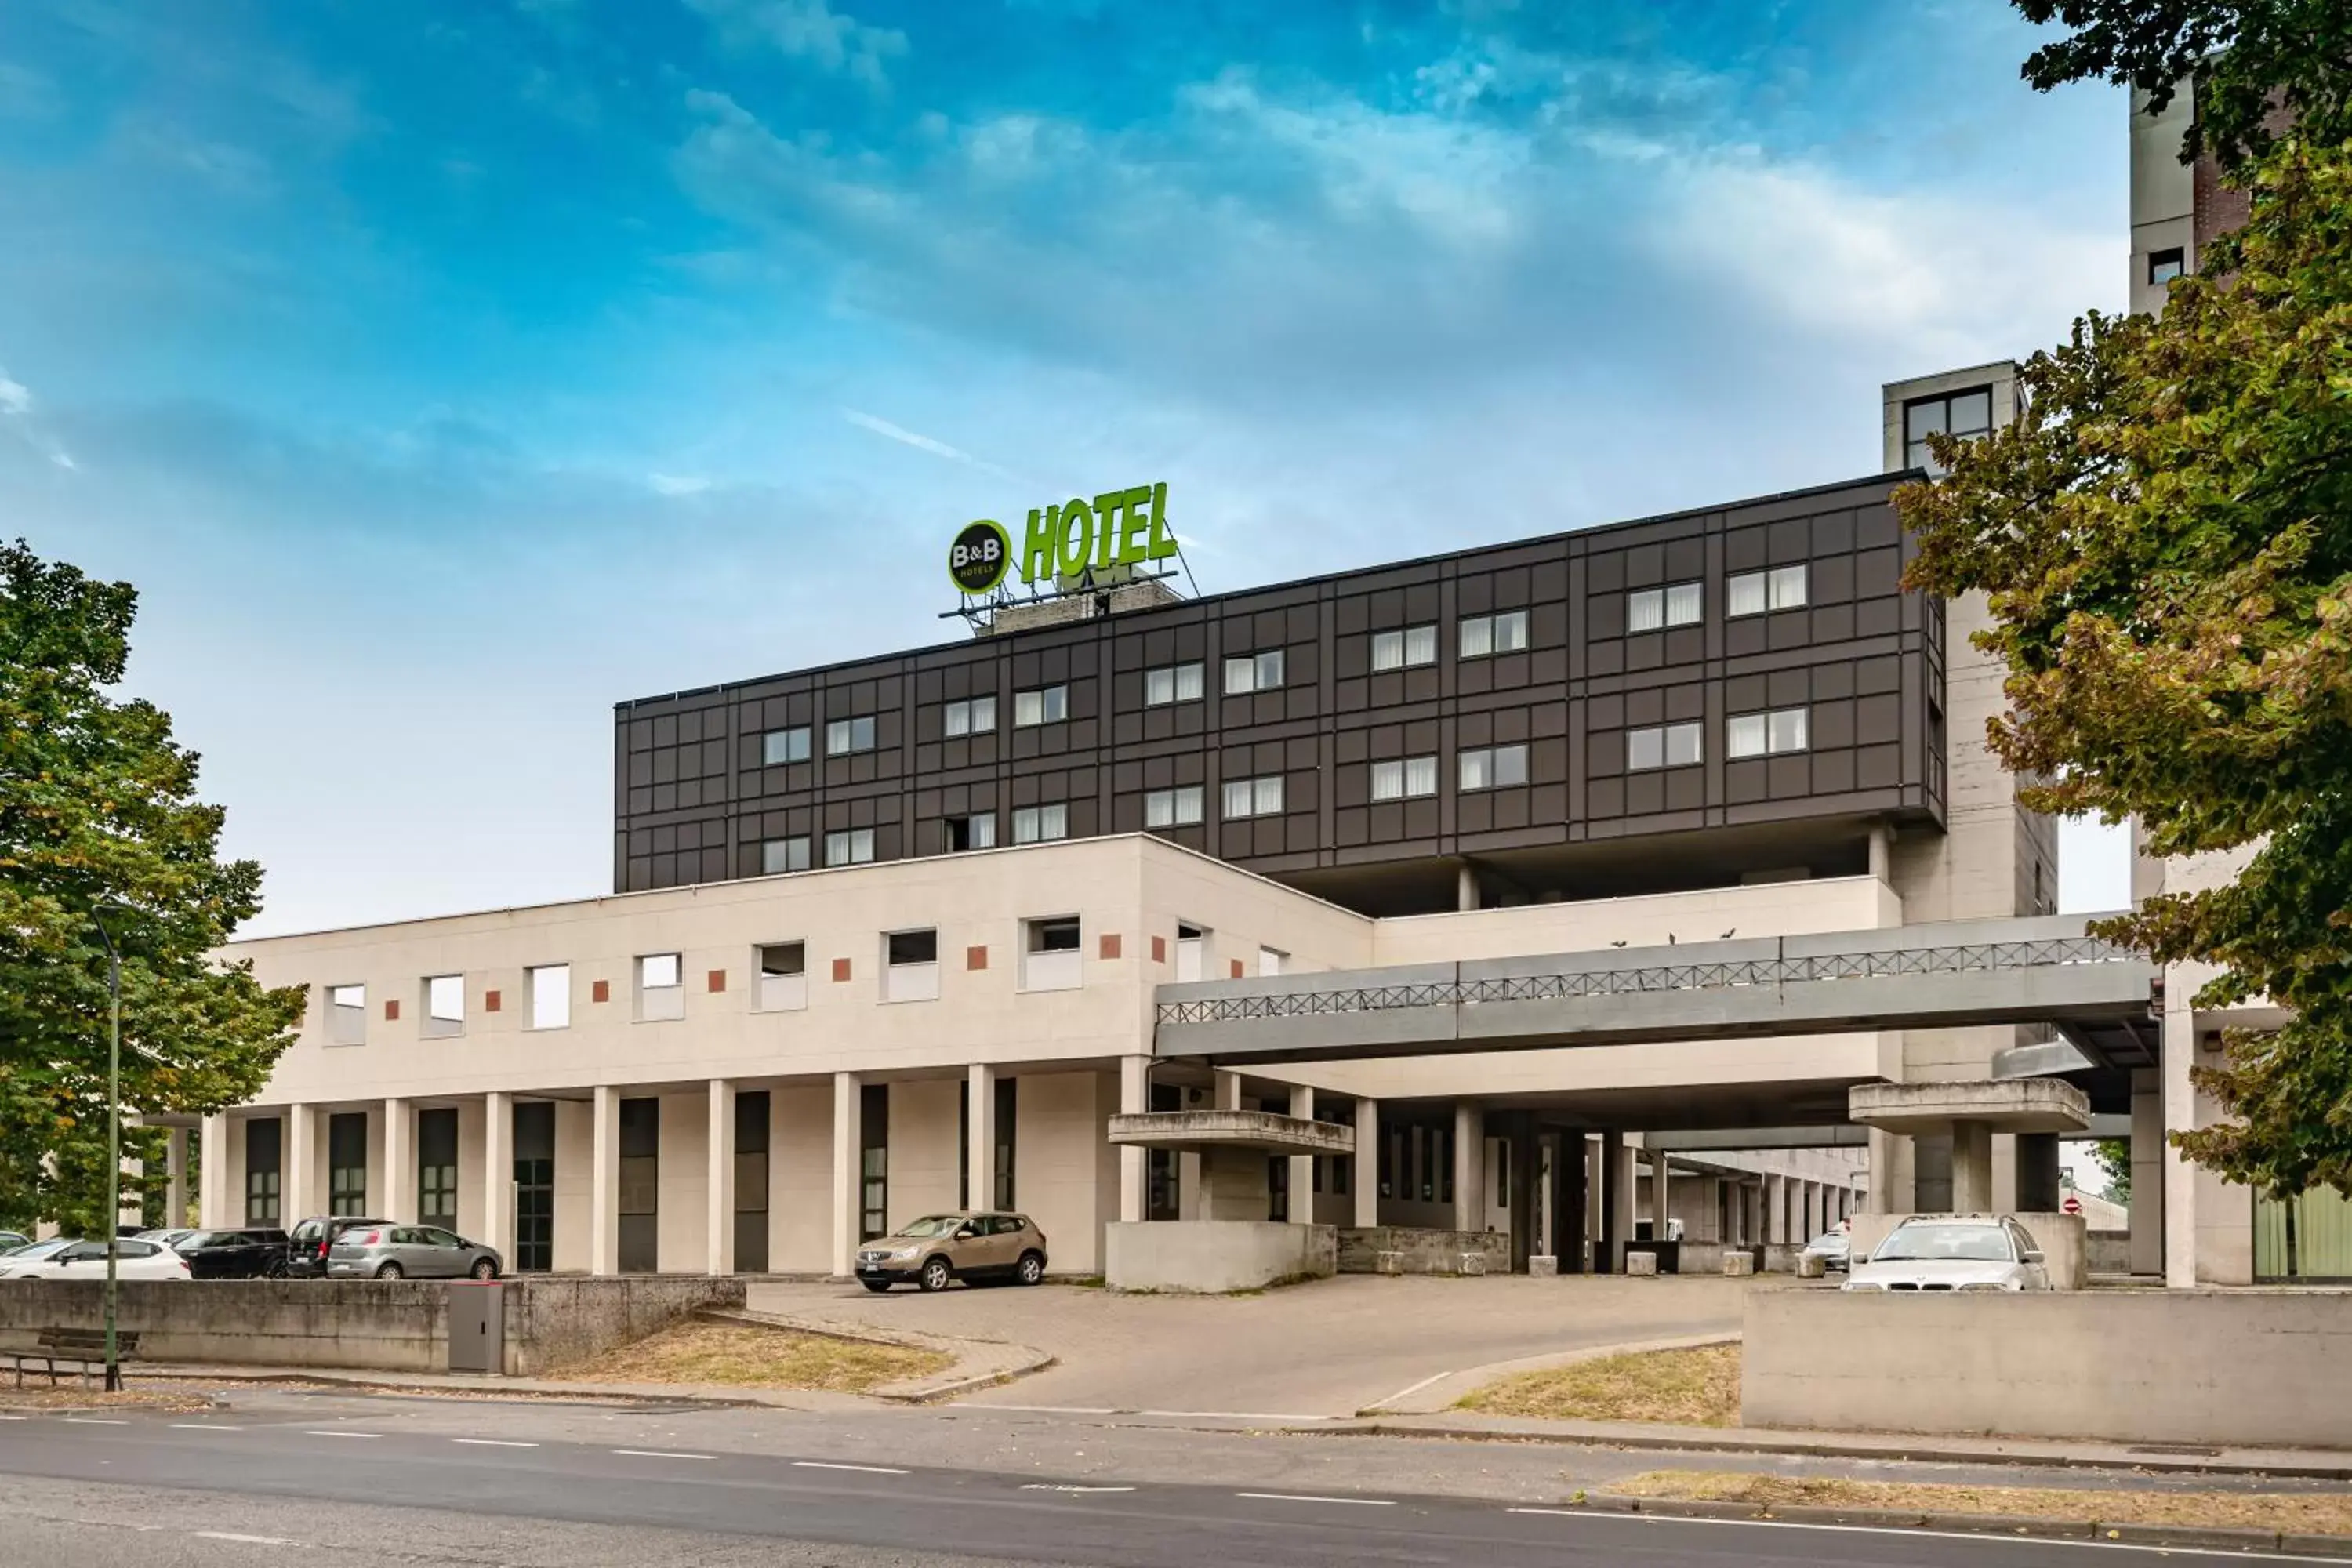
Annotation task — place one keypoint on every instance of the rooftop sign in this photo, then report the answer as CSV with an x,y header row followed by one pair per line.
x,y
1065,544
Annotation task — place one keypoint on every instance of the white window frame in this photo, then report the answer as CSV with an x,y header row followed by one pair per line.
x,y
1658,609
968,716
1166,684
1178,807
551,982
1260,797
1484,637
1761,593
1654,747
346,1016
433,1021
848,737
1778,731
660,1000
913,982
849,847
1052,969
1248,672
980,832
780,857
789,744
1046,824
1404,648
1483,767
1404,778
1041,705
780,991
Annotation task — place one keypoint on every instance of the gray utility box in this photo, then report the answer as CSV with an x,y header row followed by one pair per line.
x,y
477,1328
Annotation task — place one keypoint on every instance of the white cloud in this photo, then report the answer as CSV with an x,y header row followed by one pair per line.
x,y
677,484
15,397
810,30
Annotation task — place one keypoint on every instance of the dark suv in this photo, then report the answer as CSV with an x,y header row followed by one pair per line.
x,y
306,1252
258,1253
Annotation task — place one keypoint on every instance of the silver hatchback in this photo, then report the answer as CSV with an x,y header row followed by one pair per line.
x,y
408,1252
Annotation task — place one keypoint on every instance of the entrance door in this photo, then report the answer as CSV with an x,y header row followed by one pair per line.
x,y
534,1186
347,1174
751,1183
436,1167
640,1241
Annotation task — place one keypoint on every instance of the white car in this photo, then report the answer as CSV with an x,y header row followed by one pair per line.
x,y
1977,1252
66,1259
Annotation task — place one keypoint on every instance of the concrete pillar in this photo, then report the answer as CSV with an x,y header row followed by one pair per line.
x,y
605,1182
215,1183
1882,852
1661,1195
718,1186
1971,1167
2037,1173
847,1173
2148,1171
980,1154
497,1175
298,1170
1886,1156
1776,1210
1365,1186
1302,1166
400,1162
1134,1098
1469,1166
175,1177
1519,1175
1617,1199
1188,1184
1228,1091
1466,887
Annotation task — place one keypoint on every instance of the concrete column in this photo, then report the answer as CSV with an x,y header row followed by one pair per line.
x,y
979,1158
216,1181
1886,1156
1776,1210
497,1175
718,1187
2037,1173
1188,1184
1596,1199
1366,1184
1617,1200
1134,1098
845,1172
1662,1191
1466,887
1881,854
1228,1091
2148,1171
605,1182
296,1201
1971,1167
400,1162
1302,1166
175,1177
1469,1166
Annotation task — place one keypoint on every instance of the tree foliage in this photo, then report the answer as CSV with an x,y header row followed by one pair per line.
x,y
2114,1158
97,805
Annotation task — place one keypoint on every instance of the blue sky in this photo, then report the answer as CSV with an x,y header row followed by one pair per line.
x,y
444,372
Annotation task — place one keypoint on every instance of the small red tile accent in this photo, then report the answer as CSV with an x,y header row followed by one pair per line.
x,y
975,958
717,981
490,1001
1237,969
392,1010
840,969
1158,950
1111,944
600,991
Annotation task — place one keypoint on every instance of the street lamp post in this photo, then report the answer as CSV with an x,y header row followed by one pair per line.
x,y
113,1130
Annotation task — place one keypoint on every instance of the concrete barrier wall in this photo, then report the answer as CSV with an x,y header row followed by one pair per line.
x,y
2063,1240
2107,1252
2234,1367
359,1325
1426,1251
1215,1254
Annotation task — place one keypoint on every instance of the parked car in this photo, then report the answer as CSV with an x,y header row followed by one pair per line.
x,y
256,1254
165,1237
309,1243
1978,1252
939,1249
74,1260
407,1251
11,1240
1831,1248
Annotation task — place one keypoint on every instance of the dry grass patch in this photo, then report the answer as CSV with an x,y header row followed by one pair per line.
x,y
2295,1513
745,1355
70,1396
1698,1387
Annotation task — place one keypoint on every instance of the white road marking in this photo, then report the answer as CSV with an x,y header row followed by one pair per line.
x,y
243,1539
494,1442
202,1426
1235,1415
1297,1497
658,1454
1050,1487
96,1421
1976,1535
863,1469
326,1434
15,1419
1044,1409
1403,1393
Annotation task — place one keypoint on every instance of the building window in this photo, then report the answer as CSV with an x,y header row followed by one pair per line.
x,y
1191,951
1662,747
444,1007
1051,959
1171,683
784,746
347,1165
347,1014
2164,265
778,856
1254,672
1653,609
551,995
1253,797
1178,807
911,969
873,1161
1498,767
263,1162
844,736
661,987
1757,734
977,831
972,716
853,847
1404,779
1271,961
1039,823
1504,633
1047,705
1399,650
436,1166
1755,593
1008,1142
1964,413
783,978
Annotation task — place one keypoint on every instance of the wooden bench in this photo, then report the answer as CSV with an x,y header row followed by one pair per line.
x,y
75,1348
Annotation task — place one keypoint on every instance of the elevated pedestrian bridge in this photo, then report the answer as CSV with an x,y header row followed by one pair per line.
x,y
2101,998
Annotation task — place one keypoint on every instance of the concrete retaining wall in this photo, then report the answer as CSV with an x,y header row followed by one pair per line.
x,y
2107,1252
2234,1367
2062,1237
1424,1251
361,1325
1212,1255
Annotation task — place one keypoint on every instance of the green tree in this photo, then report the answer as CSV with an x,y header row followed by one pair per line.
x,y
97,805
2113,1156
2167,538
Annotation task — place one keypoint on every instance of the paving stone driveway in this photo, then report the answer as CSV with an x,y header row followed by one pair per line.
x,y
1329,1348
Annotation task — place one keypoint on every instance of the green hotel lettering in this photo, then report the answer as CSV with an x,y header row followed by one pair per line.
x,y
1119,529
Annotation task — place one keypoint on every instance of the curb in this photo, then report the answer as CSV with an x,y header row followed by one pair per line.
x,y
2179,1536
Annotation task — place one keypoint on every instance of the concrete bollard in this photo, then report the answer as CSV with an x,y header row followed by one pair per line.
x,y
1739,1265
1541,1267
1641,1265
1474,1263
1811,1266
1388,1262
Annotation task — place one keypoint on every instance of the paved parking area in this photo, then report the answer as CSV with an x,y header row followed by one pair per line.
x,y
1329,1348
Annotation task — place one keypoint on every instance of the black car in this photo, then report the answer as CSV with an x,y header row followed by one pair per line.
x,y
254,1254
306,1250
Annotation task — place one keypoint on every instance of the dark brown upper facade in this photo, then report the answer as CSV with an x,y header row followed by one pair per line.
x,y
1558,762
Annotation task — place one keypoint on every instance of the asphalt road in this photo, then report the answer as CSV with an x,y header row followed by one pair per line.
x,y
201,1484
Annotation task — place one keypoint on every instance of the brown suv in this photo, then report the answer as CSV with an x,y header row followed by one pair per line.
x,y
941,1248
